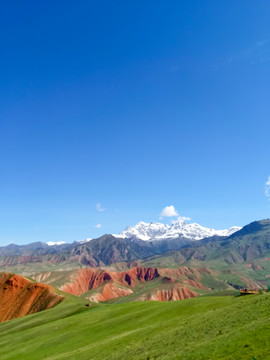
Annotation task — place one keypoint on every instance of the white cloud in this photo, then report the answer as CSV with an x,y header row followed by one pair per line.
x,y
99,207
267,188
52,243
98,226
169,211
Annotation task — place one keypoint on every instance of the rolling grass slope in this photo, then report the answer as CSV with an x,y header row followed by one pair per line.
x,y
199,328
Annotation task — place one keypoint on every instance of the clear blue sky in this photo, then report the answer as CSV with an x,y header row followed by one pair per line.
x,y
135,106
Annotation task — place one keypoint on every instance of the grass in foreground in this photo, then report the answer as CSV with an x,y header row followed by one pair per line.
x,y
200,328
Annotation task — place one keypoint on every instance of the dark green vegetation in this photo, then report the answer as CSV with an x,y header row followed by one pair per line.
x,y
201,328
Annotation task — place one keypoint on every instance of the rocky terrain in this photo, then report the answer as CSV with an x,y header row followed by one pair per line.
x,y
103,251
20,297
138,242
111,268
142,283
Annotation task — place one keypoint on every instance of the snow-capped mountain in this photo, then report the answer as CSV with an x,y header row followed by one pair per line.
x,y
145,231
179,228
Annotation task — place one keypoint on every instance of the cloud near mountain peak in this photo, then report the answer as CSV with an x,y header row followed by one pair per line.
x,y
169,211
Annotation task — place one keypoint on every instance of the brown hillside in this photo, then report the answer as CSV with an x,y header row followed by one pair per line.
x,y
175,293
20,297
87,279
173,284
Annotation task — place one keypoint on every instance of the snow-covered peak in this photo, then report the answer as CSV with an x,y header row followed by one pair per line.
x,y
144,231
229,231
179,228
52,243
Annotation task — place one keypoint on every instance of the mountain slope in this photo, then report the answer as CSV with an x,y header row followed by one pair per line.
x,y
103,251
201,328
108,250
20,297
247,244
143,283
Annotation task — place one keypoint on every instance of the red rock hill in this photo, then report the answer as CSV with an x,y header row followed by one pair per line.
x,y
20,297
174,283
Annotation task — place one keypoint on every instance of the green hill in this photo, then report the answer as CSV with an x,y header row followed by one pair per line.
x,y
201,328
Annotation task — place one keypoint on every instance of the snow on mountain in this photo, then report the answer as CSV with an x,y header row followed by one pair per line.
x,y
228,232
179,228
145,231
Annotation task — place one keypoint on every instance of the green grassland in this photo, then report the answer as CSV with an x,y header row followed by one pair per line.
x,y
29,269
208,327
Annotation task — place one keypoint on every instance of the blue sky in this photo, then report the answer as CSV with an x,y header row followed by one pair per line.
x,y
133,106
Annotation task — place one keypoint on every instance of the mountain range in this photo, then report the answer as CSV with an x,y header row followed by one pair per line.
x,y
141,241
138,242
123,268
179,228
130,269
247,243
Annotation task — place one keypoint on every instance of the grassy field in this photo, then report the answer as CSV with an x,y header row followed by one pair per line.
x,y
29,269
223,327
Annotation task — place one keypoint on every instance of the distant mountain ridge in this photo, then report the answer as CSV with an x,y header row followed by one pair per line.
x,y
179,228
98,252
250,242
244,246
236,261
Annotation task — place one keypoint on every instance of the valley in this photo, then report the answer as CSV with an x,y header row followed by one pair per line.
x,y
131,307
